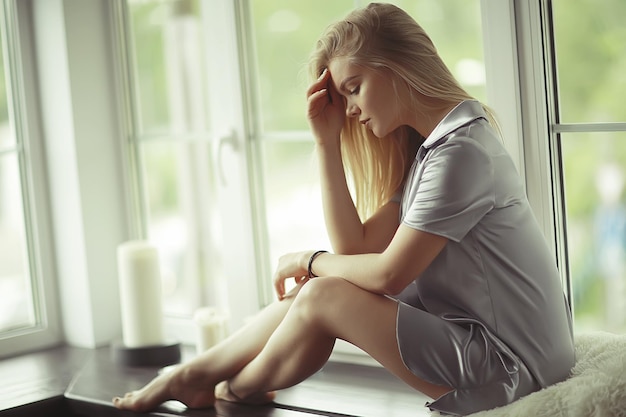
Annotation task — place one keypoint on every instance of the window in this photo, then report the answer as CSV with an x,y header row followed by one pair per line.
x,y
27,316
588,131
15,278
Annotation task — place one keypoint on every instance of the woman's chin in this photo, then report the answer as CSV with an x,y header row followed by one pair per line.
x,y
375,132
379,134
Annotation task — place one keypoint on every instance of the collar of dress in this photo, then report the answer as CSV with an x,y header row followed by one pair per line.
x,y
465,112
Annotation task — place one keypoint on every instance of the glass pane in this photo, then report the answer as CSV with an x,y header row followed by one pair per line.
x,y
183,223
295,218
16,303
285,32
594,178
169,58
590,38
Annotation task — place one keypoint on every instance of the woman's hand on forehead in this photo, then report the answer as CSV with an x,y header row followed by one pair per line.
x,y
326,109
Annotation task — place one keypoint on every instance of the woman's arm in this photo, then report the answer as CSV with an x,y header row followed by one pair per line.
x,y
407,256
348,235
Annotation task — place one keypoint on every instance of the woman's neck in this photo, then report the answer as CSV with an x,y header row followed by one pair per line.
x,y
429,113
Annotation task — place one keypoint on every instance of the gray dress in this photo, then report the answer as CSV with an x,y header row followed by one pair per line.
x,y
488,316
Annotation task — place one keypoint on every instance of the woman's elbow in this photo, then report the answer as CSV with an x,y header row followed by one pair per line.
x,y
392,284
392,290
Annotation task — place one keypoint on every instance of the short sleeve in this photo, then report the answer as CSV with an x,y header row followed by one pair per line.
x,y
454,191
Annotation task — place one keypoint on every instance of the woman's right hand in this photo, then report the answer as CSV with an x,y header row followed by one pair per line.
x,y
291,265
326,110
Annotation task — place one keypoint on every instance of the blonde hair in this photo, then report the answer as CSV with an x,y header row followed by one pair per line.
x,y
384,37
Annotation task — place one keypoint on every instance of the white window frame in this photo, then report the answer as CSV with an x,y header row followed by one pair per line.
x,y
542,153
19,54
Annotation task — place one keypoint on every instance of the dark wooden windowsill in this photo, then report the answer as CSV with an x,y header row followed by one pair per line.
x,y
72,381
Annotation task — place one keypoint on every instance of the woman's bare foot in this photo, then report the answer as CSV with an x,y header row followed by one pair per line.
x,y
223,392
185,384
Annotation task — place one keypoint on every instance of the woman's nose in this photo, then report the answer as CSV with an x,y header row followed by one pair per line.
x,y
352,110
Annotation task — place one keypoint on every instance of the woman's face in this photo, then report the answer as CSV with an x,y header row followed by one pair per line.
x,y
369,96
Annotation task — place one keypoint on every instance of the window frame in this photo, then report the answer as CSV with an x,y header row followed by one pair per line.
x,y
541,151
19,59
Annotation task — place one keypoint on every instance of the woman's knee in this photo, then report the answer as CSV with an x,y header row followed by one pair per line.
x,y
319,295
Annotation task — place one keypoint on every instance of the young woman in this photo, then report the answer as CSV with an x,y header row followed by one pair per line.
x,y
448,282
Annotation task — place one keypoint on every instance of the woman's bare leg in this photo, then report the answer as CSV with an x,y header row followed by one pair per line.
x,y
194,383
325,309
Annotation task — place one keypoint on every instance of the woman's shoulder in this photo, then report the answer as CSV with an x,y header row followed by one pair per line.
x,y
459,150
476,139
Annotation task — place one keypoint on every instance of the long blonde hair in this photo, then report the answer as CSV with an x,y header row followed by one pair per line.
x,y
383,36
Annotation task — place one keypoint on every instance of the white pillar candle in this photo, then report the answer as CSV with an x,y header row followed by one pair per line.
x,y
210,328
140,294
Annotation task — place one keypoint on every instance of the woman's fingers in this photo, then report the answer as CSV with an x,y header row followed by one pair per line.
x,y
317,103
321,83
279,287
323,98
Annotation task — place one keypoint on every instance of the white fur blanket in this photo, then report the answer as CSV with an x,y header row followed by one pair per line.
x,y
597,387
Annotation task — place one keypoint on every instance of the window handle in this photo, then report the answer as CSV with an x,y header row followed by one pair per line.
x,y
228,138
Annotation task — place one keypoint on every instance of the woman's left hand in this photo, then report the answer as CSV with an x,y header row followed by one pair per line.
x,y
291,265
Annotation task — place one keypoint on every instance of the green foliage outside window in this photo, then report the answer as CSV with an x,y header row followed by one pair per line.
x,y
591,63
